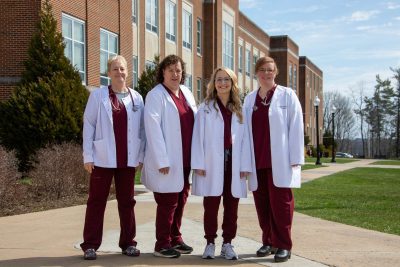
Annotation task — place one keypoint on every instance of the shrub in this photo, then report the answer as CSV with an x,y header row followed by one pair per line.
x,y
9,176
59,172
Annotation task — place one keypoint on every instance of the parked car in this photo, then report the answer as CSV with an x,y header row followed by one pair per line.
x,y
343,155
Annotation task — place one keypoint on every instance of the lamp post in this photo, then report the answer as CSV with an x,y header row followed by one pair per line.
x,y
316,104
333,134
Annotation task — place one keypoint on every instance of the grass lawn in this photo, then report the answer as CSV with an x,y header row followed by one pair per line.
x,y
137,178
328,160
363,197
386,162
311,166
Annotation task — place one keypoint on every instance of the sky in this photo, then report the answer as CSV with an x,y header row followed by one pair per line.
x,y
350,41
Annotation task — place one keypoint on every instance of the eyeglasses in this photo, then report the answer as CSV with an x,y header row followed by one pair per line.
x,y
267,70
221,80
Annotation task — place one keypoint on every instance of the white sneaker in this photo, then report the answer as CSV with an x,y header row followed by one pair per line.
x,y
209,251
228,252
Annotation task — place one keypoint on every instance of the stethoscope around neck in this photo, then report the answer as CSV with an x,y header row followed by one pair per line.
x,y
134,107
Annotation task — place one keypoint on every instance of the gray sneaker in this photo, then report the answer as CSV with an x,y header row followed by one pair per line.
x,y
228,252
90,254
209,251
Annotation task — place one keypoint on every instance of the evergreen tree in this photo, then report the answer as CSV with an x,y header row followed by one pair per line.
x,y
148,79
47,106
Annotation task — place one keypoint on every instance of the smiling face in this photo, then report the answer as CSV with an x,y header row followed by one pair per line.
x,y
118,72
266,74
222,83
173,76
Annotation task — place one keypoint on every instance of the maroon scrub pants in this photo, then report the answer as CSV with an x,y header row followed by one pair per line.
x,y
99,188
170,208
274,207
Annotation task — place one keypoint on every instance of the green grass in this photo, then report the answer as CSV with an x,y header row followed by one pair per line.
x,y
328,160
386,162
311,166
137,177
363,197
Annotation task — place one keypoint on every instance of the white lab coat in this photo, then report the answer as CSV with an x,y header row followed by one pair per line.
x,y
163,140
287,137
208,153
98,131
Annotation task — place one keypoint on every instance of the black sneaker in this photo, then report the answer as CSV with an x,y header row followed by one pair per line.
x,y
183,248
167,253
90,254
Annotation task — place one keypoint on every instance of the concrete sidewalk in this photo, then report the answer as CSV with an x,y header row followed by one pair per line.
x,y
50,238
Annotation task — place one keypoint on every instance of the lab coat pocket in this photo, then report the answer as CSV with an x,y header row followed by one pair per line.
x,y
100,151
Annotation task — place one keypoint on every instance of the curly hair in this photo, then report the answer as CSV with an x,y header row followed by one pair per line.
x,y
234,103
167,61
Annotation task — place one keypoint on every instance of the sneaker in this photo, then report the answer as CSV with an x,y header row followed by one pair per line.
x,y
209,251
183,248
90,254
131,251
228,252
167,253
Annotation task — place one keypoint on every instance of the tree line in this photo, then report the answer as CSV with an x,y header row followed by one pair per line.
x,y
375,119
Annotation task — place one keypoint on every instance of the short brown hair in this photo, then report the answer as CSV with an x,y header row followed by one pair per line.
x,y
262,60
167,61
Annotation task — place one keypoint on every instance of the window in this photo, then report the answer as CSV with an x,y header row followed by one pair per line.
x,y
134,11
240,61
170,21
199,38
73,31
187,29
199,93
295,77
135,71
108,48
290,76
227,46
248,62
150,65
152,15
188,81
255,58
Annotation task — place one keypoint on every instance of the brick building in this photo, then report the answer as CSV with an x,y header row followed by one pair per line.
x,y
205,33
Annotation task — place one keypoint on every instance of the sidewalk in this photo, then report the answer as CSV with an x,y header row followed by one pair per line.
x,y
49,238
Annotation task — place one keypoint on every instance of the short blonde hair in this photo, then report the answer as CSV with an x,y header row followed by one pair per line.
x,y
116,58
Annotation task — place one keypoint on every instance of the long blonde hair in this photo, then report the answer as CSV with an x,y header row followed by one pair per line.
x,y
234,103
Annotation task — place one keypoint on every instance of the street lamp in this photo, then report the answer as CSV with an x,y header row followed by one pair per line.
x,y
316,104
333,134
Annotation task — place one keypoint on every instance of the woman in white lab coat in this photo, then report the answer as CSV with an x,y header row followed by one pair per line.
x,y
169,118
275,123
113,146
220,159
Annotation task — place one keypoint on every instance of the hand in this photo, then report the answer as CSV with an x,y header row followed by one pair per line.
x,y
164,170
200,172
244,174
139,167
89,166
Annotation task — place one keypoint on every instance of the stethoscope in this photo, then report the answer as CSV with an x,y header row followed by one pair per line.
x,y
134,107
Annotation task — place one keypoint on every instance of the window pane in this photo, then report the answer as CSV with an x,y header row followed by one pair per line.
x,y
103,41
113,44
67,28
79,56
78,32
68,49
103,62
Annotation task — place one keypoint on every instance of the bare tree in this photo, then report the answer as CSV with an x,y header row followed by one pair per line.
x,y
344,118
397,107
358,101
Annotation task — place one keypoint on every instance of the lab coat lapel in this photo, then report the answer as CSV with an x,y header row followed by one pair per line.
x,y
107,103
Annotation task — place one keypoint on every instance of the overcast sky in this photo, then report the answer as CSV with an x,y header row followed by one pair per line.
x,y
351,41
